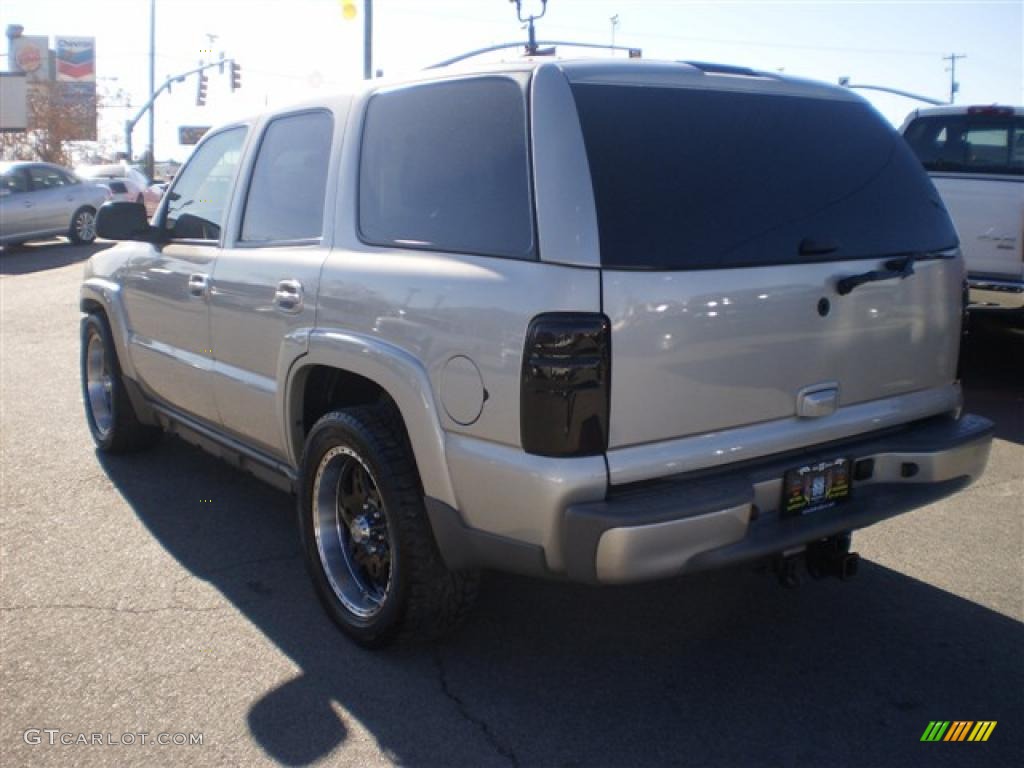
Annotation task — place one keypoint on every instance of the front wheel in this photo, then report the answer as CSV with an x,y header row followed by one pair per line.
x,y
366,536
83,226
112,420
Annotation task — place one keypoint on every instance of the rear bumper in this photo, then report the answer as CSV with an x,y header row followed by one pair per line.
x,y
995,293
660,529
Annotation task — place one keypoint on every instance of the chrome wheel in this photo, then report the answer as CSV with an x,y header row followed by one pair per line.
x,y
99,383
353,538
85,226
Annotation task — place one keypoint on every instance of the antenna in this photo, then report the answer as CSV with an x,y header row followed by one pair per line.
x,y
531,45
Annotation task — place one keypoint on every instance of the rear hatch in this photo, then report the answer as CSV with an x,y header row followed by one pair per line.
x,y
728,213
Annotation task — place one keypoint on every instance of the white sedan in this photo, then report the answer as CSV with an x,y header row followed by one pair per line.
x,y
126,184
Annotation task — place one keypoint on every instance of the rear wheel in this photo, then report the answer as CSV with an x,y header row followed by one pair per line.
x,y
366,537
112,420
83,225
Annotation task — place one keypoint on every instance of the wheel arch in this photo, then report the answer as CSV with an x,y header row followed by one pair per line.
x,y
100,295
342,370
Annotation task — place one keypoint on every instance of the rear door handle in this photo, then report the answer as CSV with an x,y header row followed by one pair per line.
x,y
288,296
199,285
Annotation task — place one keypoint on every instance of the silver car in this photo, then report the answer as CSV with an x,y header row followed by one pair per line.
x,y
40,200
602,321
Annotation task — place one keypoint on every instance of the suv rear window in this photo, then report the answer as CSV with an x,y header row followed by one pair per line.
x,y
701,179
445,166
968,143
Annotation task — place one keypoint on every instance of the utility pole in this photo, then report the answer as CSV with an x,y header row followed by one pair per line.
x,y
367,39
615,23
152,88
954,86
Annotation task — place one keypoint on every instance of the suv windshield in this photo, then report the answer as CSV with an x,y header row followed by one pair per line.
x,y
698,179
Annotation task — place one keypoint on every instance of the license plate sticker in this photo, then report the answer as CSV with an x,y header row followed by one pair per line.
x,y
814,487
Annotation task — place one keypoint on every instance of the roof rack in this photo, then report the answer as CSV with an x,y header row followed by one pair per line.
x,y
634,53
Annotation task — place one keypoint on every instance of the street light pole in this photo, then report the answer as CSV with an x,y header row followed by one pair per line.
x,y
367,39
152,88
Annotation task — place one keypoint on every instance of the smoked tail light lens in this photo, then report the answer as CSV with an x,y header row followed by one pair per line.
x,y
565,393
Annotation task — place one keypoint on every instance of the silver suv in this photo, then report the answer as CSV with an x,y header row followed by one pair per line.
x,y
600,320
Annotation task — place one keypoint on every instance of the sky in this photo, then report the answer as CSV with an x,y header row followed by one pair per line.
x,y
292,50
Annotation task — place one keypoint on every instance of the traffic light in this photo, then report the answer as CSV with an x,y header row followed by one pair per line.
x,y
201,92
348,9
236,75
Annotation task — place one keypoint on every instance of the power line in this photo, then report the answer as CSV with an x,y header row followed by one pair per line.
x,y
637,34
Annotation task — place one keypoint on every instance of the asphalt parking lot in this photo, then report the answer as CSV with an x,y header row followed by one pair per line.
x,y
164,593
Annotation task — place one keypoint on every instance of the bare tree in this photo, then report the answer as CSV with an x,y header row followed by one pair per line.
x,y
53,122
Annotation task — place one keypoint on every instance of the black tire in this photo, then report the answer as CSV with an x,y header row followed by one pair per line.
x,y
114,426
422,599
83,226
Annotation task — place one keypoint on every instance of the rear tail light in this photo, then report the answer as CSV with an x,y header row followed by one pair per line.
x,y
566,385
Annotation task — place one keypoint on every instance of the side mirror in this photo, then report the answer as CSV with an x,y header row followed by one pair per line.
x,y
125,221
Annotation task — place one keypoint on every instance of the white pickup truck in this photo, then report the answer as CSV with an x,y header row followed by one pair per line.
x,y
975,156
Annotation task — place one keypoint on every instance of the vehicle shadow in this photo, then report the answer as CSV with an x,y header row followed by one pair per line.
x,y
50,254
716,669
992,368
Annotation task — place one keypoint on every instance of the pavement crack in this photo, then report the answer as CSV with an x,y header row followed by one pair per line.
x,y
464,712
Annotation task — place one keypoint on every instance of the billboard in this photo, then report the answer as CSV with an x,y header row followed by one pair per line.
x,y
61,85
76,59
30,55
13,102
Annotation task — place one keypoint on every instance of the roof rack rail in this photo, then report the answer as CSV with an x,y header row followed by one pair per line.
x,y
634,53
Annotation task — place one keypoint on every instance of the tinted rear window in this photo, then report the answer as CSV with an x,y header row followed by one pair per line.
x,y
697,179
445,166
968,143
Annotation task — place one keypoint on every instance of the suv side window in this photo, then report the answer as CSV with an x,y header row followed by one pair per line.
x,y
197,204
968,143
445,166
289,180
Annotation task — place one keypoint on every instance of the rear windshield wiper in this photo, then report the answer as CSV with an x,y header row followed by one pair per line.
x,y
900,268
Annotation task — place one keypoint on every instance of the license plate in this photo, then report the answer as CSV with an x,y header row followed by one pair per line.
x,y
815,487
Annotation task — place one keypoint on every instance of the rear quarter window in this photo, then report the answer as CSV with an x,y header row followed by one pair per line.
x,y
445,166
699,179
